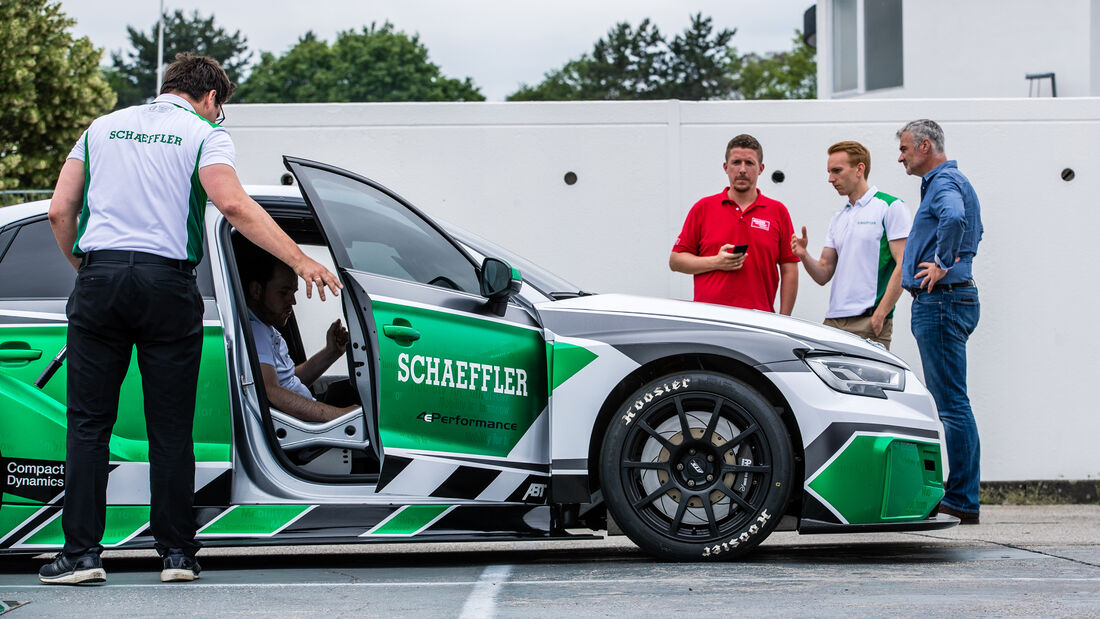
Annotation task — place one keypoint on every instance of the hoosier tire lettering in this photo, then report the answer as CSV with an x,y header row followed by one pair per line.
x,y
737,540
662,389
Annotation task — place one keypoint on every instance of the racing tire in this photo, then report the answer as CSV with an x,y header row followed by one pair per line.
x,y
696,466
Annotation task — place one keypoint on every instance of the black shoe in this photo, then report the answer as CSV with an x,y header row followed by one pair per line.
x,y
73,571
179,567
964,517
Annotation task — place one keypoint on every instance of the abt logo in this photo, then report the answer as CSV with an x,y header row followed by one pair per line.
x,y
535,491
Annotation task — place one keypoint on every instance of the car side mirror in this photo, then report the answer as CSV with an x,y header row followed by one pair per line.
x,y
499,282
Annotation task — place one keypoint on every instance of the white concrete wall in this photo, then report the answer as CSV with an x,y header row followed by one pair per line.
x,y
497,169
984,48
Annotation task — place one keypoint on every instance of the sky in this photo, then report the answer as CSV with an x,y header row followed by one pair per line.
x,y
498,43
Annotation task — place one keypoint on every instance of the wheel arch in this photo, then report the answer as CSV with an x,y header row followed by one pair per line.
x,y
709,362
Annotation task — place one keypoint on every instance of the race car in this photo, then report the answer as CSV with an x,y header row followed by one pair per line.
x,y
498,402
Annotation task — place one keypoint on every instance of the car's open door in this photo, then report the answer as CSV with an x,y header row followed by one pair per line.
x,y
454,385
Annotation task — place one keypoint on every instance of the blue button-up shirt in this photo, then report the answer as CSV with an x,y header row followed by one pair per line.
x,y
948,225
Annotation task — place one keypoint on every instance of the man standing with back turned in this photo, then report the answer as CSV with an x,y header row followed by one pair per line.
x,y
128,212
863,249
938,271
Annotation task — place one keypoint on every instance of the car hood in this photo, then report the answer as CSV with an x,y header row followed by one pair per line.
x,y
812,335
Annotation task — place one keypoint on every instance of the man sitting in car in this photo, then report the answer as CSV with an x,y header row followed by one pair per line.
x,y
269,287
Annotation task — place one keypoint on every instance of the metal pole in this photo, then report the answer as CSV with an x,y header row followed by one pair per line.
x,y
160,48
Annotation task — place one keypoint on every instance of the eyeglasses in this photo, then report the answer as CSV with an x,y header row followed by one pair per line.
x,y
221,116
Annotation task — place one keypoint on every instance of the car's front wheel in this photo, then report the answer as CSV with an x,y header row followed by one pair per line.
x,y
696,465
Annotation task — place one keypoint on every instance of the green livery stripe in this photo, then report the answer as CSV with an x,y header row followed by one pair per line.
x,y
123,523
82,220
881,478
13,516
410,520
196,211
886,262
568,360
254,520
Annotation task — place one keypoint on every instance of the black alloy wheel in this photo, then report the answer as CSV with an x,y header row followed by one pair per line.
x,y
696,466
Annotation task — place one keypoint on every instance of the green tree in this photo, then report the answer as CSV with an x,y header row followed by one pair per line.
x,y
631,64
701,63
377,63
134,75
780,75
51,88
628,64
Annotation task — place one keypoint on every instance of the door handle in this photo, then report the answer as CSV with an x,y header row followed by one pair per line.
x,y
401,333
8,355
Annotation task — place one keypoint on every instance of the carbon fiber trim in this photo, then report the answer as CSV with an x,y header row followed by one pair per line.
x,y
466,483
392,466
932,523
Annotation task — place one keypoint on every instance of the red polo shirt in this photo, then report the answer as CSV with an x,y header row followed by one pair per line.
x,y
765,226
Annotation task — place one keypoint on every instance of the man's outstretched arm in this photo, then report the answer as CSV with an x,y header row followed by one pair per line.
x,y
296,405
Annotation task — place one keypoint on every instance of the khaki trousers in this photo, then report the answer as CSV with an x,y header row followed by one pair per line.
x,y
861,326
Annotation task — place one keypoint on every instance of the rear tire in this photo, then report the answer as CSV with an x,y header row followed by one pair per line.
x,y
696,466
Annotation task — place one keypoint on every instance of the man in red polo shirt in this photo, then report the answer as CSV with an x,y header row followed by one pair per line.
x,y
740,215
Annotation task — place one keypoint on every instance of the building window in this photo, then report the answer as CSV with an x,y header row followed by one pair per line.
x,y
882,43
874,60
845,46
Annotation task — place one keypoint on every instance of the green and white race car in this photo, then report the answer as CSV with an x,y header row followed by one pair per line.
x,y
495,405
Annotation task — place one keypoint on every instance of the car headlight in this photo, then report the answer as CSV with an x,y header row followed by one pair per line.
x,y
858,376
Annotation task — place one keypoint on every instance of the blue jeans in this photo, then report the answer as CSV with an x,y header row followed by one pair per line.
x,y
942,322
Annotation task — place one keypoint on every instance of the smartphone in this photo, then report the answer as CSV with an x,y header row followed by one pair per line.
x,y
740,249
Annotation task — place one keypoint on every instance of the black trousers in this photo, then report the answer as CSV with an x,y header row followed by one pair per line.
x,y
115,306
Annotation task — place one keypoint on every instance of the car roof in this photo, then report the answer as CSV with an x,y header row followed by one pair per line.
x,y
16,212
8,214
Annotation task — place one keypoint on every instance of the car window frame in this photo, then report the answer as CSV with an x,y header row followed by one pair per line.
x,y
325,221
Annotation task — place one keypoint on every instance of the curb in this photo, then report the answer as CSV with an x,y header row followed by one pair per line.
x,y
1040,492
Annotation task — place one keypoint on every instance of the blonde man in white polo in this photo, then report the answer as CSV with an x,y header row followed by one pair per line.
x,y
863,248
128,212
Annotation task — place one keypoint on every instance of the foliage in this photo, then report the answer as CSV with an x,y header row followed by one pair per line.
x,y
780,75
630,64
51,88
377,63
134,77
697,65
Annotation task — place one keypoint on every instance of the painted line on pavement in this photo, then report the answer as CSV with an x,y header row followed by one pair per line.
x,y
483,599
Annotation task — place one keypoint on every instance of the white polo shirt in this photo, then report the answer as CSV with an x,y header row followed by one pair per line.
x,y
141,181
860,233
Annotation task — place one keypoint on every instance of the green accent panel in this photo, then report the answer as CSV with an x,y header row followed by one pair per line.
x,y
122,522
82,219
11,516
255,520
911,487
886,262
568,360
886,266
49,535
410,519
885,197
196,211
32,420
882,479
8,499
434,399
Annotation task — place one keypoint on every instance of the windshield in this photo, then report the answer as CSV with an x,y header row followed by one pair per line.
x,y
535,276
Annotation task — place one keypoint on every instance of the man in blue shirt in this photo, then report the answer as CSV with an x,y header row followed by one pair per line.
x,y
937,271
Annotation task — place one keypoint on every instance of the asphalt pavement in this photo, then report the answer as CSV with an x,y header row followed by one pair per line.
x,y
1021,561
